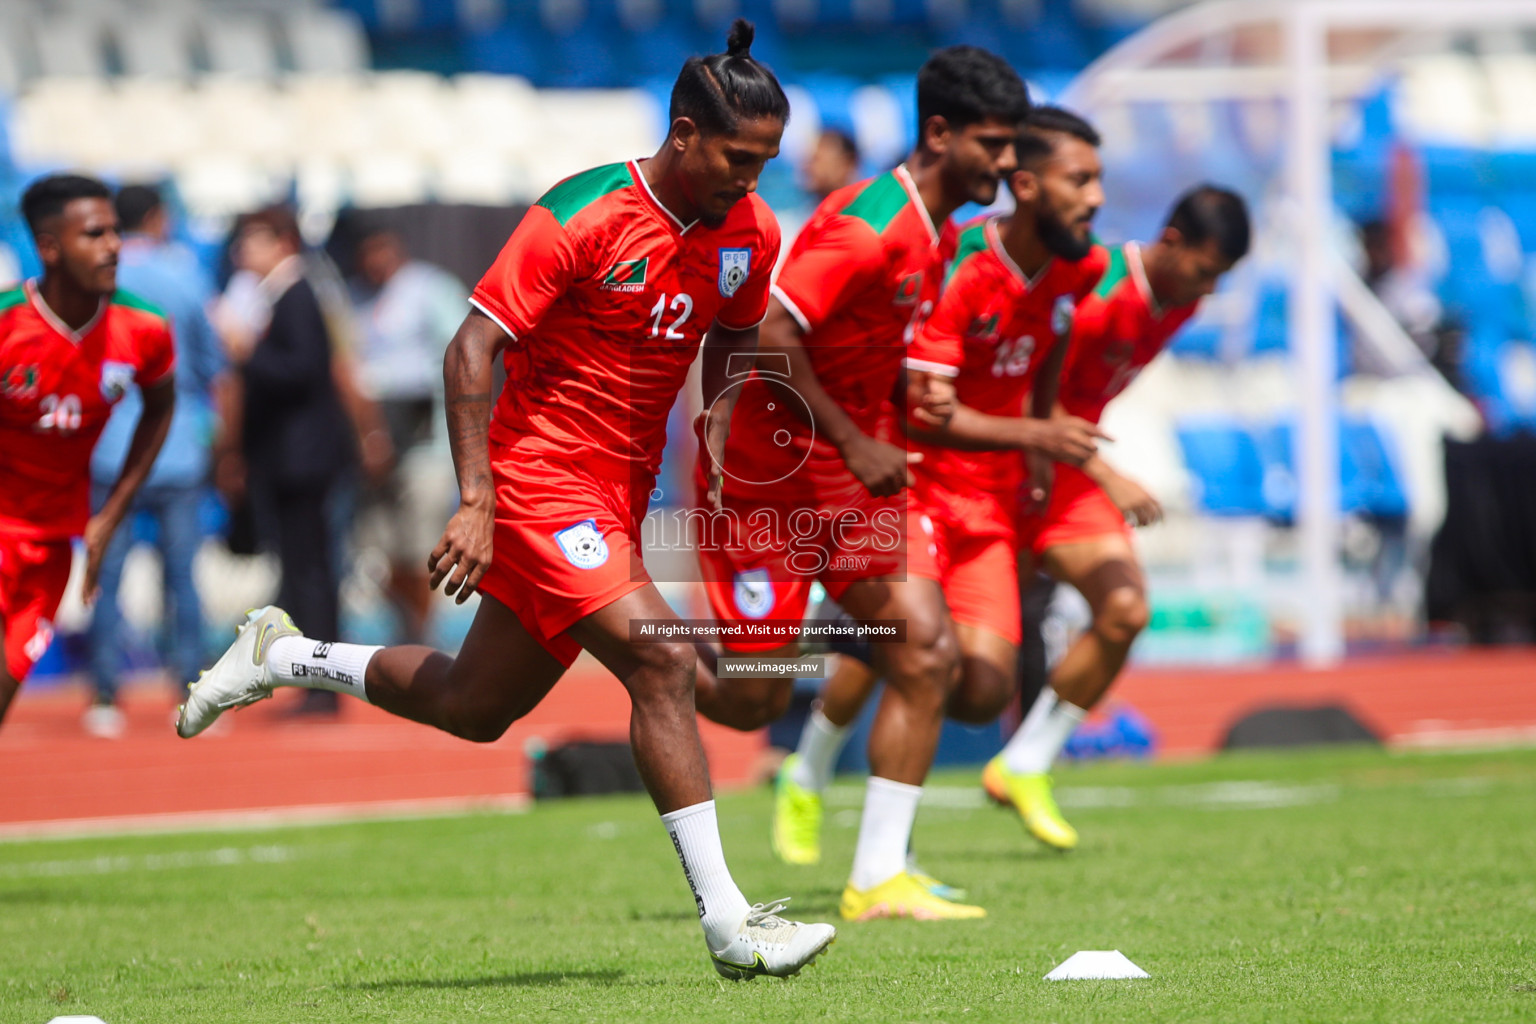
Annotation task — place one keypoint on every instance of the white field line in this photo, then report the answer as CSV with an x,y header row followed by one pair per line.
x,y
227,856
1211,796
263,818
1428,736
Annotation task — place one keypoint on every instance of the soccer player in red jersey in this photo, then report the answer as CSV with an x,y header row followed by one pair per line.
x,y
600,301
995,341
1083,538
71,344
814,484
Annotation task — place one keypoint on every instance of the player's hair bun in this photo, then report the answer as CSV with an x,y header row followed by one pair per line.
x,y
739,42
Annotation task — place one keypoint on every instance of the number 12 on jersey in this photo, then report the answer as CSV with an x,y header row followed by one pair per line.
x,y
681,306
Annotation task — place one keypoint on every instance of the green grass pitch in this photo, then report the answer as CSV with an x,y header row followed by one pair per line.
x,y
1341,886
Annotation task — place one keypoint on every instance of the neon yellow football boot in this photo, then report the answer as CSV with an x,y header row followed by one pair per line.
x,y
1030,795
796,818
942,890
903,896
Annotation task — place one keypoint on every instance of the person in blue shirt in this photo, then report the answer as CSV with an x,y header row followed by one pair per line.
x,y
168,275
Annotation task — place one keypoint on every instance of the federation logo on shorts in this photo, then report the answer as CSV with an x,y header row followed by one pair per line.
x,y
583,545
41,638
115,380
1061,314
753,593
735,265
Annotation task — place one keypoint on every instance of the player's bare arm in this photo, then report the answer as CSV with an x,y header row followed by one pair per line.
x,y
464,553
931,397
1042,401
722,345
1062,439
148,436
1140,506
880,467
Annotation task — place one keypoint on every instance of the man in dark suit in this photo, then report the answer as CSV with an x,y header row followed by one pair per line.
x,y
296,438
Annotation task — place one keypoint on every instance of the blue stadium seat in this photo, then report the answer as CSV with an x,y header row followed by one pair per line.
x,y
909,12
1454,171
832,94
1055,40
661,50
366,10
1521,206
1369,483
1197,341
1272,326
1513,170
1485,368
1223,459
509,50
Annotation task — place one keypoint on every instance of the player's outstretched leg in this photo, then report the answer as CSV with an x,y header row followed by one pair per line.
x,y
1106,572
920,673
501,674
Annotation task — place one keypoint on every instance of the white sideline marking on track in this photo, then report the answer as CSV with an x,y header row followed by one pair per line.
x,y
263,818
226,856
1211,796
1249,794
1430,735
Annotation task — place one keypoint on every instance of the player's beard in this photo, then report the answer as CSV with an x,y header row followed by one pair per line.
x,y
1059,239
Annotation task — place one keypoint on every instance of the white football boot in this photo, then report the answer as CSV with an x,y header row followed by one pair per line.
x,y
768,944
239,677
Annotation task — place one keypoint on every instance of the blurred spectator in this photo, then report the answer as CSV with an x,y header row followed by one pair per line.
x,y
406,312
833,163
169,276
1404,290
296,442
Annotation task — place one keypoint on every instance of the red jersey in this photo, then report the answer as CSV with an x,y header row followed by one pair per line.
x,y
607,298
1117,331
860,277
991,331
57,389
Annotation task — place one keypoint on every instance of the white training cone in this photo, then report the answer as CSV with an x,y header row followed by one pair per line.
x,y
1096,963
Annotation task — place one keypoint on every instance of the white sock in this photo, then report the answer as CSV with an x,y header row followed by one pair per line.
x,y
889,810
695,833
820,743
316,665
1042,734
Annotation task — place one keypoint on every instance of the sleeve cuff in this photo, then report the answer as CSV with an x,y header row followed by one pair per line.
x,y
494,318
789,304
748,327
942,369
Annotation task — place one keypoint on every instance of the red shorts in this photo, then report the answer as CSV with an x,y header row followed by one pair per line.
x,y
968,546
758,560
33,574
567,544
1079,510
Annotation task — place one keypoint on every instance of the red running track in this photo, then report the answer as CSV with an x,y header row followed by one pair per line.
x,y
362,762
57,778
1430,697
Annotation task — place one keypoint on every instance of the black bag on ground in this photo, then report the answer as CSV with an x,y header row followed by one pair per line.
x,y
1298,727
585,769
